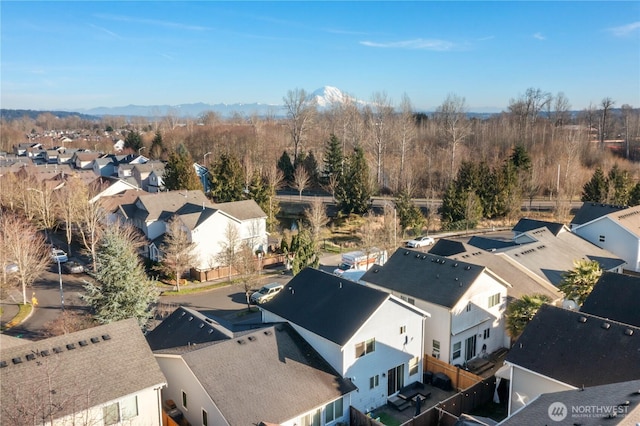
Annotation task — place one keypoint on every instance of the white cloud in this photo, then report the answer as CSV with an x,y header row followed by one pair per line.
x,y
104,30
539,36
416,44
625,30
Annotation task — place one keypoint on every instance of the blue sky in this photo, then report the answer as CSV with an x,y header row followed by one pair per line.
x,y
74,55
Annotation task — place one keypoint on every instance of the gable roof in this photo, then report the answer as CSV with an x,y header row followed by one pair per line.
x,y
591,211
185,327
628,219
490,244
242,210
85,368
604,397
324,304
550,256
425,276
269,375
526,224
581,349
446,247
615,296
520,283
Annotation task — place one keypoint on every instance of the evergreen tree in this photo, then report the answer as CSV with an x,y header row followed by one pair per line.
x,y
354,190
461,206
265,195
634,195
157,150
409,215
578,283
122,289
179,172
133,141
333,160
304,252
227,179
286,167
619,186
520,159
311,166
596,189
521,311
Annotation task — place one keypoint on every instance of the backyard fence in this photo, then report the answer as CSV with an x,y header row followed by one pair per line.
x,y
460,379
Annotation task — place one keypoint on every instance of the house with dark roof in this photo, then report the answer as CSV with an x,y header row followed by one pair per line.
x,y
591,211
561,349
102,375
142,174
368,336
466,301
269,376
526,224
618,232
208,224
615,297
611,404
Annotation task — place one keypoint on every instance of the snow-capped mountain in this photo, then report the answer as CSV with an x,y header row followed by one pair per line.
x,y
327,96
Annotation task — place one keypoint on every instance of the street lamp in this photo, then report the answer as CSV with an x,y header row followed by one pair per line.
x,y
140,149
204,159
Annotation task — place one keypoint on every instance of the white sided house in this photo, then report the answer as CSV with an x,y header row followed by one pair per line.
x,y
368,336
466,302
210,226
106,375
618,232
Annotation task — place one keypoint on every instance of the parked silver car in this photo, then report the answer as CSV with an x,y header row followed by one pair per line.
x,y
266,293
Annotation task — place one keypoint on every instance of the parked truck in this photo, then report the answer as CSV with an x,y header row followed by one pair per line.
x,y
361,260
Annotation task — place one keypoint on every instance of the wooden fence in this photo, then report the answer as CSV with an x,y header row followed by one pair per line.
x,y
460,379
223,271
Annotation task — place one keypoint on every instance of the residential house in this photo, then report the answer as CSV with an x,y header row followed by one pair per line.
x,y
561,349
142,174
591,211
525,225
269,376
84,160
206,223
104,166
368,336
615,297
466,302
155,181
518,283
617,232
118,146
102,375
110,186
611,404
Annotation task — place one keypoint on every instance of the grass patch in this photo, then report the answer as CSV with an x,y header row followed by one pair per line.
x,y
388,420
23,313
191,290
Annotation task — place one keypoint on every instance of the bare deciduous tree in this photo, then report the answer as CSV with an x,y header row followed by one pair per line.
x,y
177,250
301,179
301,112
453,125
248,269
90,220
229,247
606,104
25,248
316,215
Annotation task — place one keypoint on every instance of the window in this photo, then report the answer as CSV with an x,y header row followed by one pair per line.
x,y
403,329
111,414
205,418
457,349
413,365
601,238
184,399
311,419
469,307
486,333
494,300
374,381
365,347
129,407
333,410
436,349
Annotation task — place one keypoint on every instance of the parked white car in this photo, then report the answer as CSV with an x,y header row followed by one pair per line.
x,y
58,255
422,241
266,293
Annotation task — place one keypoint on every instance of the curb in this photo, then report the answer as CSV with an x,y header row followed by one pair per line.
x,y
10,324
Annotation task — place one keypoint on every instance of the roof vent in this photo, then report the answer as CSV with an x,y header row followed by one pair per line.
x,y
182,314
57,349
252,338
417,256
191,318
375,271
467,267
625,404
16,360
606,325
406,253
30,357
83,343
443,261
201,325
71,346
210,331
455,265
241,341
267,333
106,337
582,319
44,352
95,340
628,332
3,364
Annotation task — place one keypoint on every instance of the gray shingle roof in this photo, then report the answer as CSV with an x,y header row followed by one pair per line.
x,y
270,375
242,210
324,304
615,296
425,276
578,348
590,211
104,363
604,397
526,224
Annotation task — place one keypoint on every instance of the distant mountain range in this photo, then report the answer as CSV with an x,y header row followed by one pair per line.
x,y
324,97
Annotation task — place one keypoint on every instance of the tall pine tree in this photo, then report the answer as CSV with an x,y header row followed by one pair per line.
x,y
354,190
179,172
227,179
596,189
